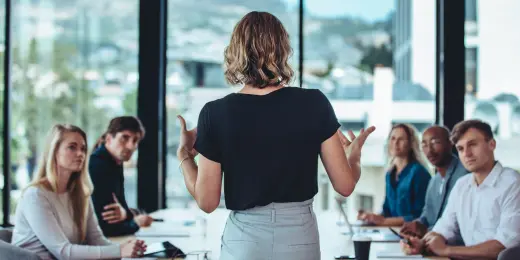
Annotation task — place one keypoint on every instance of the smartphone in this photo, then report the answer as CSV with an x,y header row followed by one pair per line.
x,y
165,248
342,257
399,235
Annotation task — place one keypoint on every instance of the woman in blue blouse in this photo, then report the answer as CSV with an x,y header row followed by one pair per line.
x,y
406,180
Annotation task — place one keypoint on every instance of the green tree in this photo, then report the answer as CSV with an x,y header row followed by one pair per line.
x,y
67,99
25,106
130,102
375,56
381,55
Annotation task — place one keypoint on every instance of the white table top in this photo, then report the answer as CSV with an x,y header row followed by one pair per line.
x,y
207,229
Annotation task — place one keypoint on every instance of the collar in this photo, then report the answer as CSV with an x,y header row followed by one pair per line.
x,y
451,167
102,152
492,177
404,172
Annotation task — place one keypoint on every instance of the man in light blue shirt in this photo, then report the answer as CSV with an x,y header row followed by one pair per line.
x,y
483,207
437,147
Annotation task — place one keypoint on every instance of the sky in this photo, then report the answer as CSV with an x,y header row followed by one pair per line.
x,y
367,9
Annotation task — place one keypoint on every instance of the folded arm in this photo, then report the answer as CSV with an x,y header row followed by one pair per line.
x,y
102,196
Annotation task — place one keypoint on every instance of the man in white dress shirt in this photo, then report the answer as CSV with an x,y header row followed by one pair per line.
x,y
483,207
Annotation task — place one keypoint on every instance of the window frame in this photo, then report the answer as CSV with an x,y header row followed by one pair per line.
x,y
449,102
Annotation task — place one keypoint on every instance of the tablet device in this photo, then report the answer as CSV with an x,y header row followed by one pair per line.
x,y
164,249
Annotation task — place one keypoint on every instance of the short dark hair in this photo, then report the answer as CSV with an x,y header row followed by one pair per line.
x,y
445,131
120,124
462,127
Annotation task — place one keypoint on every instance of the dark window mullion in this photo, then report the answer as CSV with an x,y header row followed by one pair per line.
x,y
6,165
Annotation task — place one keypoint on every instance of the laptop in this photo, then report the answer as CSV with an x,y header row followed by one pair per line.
x,y
376,234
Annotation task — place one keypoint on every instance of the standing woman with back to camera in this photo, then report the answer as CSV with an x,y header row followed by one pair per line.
x,y
265,142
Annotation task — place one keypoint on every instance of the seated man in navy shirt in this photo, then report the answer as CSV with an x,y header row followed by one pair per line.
x,y
406,180
106,171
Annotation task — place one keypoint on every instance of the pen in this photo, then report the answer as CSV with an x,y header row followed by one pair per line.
x,y
142,212
403,238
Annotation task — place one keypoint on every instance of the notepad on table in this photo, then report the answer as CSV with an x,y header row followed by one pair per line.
x,y
396,254
163,230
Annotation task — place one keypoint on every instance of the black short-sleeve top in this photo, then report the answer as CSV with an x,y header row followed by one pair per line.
x,y
267,145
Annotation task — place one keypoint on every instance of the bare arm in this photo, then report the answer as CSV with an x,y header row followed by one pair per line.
x,y
342,176
393,222
380,220
204,183
436,243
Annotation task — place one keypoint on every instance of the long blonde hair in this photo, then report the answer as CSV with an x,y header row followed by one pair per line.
x,y
79,185
415,154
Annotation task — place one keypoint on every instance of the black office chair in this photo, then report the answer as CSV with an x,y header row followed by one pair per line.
x,y
510,254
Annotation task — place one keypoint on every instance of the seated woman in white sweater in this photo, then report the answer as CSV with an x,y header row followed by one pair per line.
x,y
54,217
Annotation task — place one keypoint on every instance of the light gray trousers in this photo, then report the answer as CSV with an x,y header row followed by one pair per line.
x,y
277,231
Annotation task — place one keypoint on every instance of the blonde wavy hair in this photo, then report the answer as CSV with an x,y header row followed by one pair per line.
x,y
79,185
415,154
258,52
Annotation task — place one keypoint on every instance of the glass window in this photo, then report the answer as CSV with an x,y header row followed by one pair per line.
x,y
471,18
375,61
471,10
73,62
198,32
471,72
495,95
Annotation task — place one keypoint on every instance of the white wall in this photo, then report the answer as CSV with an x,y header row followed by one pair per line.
x,y
423,43
499,51
497,42
371,183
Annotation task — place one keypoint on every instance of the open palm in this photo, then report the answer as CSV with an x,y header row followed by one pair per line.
x,y
355,144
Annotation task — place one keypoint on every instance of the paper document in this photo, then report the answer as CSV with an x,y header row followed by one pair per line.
x,y
396,254
164,230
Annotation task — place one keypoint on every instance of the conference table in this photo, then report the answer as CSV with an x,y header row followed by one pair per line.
x,y
198,234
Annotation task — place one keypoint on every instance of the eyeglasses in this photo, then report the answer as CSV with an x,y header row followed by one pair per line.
x,y
432,142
